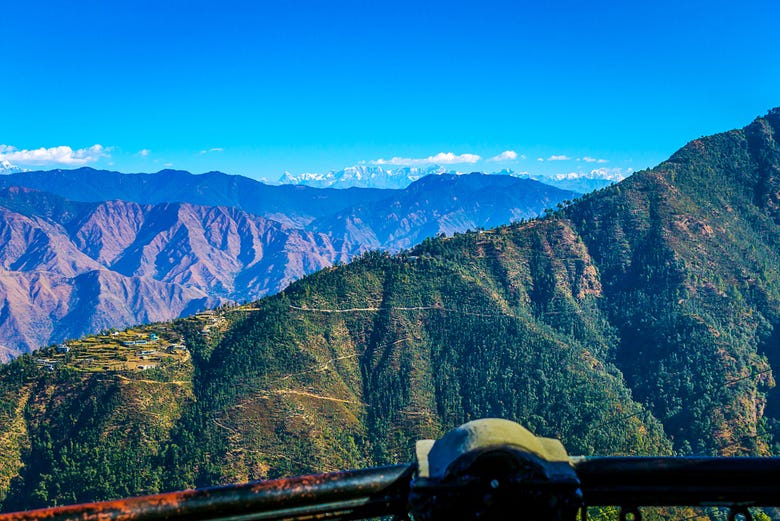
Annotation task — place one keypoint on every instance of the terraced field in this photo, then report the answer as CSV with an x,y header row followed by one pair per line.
x,y
140,348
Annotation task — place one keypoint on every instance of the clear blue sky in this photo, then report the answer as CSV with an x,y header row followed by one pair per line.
x,y
260,87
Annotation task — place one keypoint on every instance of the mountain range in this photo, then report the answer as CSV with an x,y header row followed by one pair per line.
x,y
640,319
99,249
376,176
364,176
297,205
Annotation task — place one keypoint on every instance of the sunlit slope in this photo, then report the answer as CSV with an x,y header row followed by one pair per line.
x,y
689,256
392,349
93,421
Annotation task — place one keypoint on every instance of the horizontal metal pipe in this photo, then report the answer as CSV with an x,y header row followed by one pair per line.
x,y
674,481
358,494
339,495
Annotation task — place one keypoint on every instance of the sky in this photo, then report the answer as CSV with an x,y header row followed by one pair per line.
x,y
258,88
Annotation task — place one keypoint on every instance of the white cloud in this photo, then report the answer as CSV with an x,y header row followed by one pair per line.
x,y
506,155
589,159
541,159
62,155
215,149
144,153
442,158
559,158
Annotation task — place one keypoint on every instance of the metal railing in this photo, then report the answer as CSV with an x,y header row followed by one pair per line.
x,y
486,469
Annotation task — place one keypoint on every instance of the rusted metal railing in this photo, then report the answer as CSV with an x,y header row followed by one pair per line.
x,y
355,494
488,469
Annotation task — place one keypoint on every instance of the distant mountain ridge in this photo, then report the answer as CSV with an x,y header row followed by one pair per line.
x,y
171,258
441,204
376,176
255,196
296,205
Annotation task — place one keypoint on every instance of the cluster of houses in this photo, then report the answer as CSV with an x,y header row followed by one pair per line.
x,y
146,354
46,363
152,338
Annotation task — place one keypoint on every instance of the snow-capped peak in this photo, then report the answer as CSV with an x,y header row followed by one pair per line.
x,y
7,168
375,176
364,176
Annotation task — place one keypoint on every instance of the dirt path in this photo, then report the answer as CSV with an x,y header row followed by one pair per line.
x,y
353,310
317,396
401,308
172,382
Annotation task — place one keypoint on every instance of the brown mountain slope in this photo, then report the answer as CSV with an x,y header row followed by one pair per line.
x,y
221,252
73,268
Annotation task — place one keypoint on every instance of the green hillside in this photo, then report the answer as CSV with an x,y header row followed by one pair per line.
x,y
640,319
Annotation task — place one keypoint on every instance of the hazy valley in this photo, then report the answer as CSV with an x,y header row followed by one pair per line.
x,y
87,250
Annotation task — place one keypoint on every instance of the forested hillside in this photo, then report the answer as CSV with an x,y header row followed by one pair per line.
x,y
641,319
